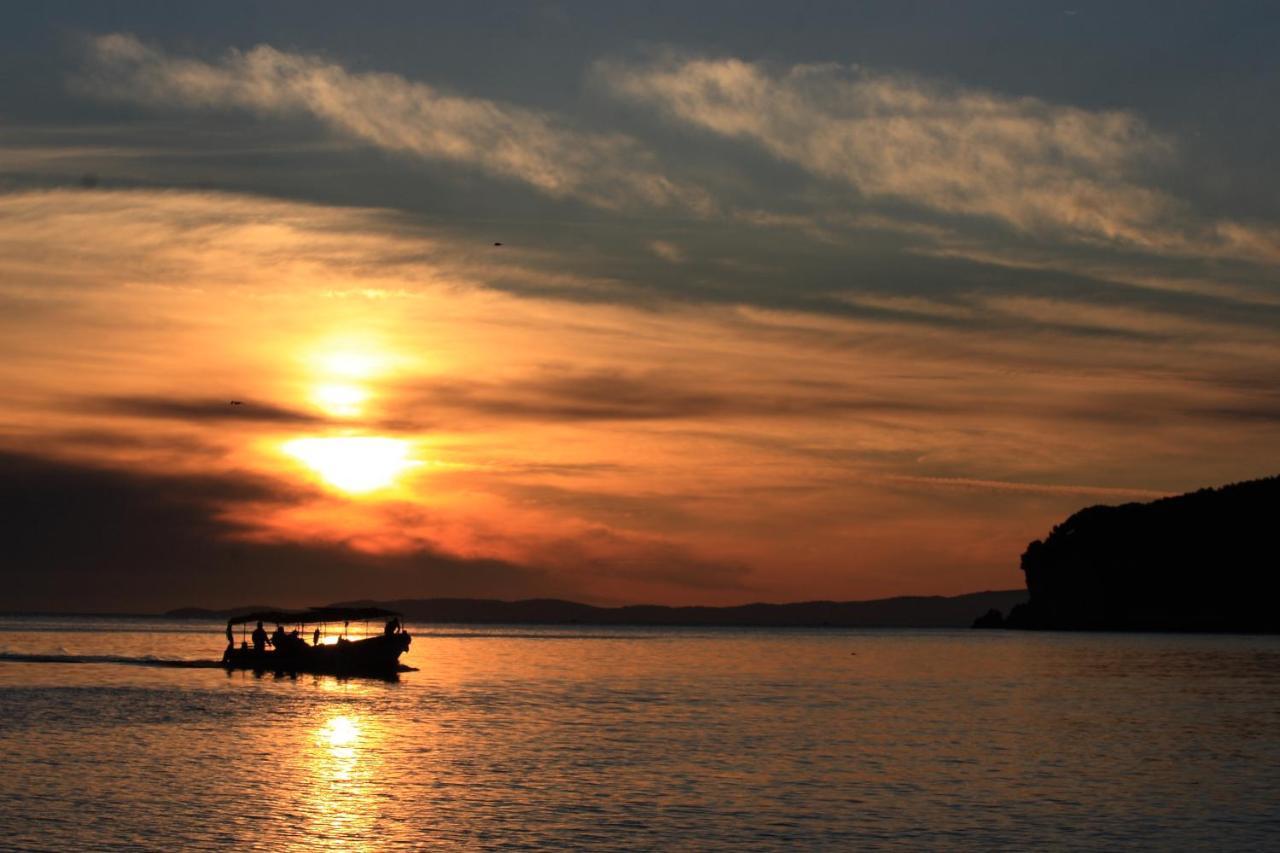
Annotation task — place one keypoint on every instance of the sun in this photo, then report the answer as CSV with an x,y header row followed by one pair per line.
x,y
354,360
354,464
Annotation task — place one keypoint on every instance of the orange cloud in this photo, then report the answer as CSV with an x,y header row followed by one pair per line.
x,y
675,451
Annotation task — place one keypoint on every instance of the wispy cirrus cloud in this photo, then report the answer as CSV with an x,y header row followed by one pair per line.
x,y
1027,162
204,410
937,162
536,148
556,395
1033,488
1040,168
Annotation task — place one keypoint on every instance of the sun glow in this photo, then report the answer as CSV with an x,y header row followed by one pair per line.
x,y
354,464
351,363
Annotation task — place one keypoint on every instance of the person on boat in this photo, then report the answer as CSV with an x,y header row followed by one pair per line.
x,y
393,625
315,637
259,639
279,639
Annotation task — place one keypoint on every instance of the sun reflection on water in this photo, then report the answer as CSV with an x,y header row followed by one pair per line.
x,y
341,732
342,767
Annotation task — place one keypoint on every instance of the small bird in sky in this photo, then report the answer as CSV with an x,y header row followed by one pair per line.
x,y
235,403
497,244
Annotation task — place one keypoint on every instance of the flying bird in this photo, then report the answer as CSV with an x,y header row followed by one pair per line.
x,y
497,244
235,403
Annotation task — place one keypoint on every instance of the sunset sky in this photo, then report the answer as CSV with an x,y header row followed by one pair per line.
x,y
792,302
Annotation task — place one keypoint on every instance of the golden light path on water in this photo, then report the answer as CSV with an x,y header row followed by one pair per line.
x,y
342,764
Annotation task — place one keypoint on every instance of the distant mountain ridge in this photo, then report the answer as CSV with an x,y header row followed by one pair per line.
x,y
934,611
900,612
1202,561
206,613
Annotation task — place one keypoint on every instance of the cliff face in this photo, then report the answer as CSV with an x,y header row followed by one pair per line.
x,y
1204,561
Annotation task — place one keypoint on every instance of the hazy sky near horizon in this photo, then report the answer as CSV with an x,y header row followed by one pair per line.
x,y
792,301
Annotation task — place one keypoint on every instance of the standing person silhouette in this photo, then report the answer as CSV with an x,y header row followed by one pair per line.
x,y
231,644
259,639
315,638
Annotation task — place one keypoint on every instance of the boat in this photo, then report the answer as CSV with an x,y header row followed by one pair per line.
x,y
376,655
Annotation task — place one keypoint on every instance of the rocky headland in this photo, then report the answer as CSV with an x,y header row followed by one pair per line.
x,y
1203,561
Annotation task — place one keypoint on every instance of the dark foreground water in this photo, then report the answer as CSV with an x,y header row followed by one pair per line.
x,y
644,739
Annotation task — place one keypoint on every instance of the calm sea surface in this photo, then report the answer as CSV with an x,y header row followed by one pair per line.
x,y
644,739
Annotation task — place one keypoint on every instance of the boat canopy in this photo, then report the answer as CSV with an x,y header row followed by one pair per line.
x,y
314,614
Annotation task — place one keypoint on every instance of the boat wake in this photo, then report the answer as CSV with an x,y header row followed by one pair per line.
x,y
145,660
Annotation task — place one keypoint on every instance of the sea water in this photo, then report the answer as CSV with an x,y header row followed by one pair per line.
x,y
643,738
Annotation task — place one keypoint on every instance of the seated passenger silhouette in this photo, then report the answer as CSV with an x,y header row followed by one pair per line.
x,y
393,625
259,639
279,638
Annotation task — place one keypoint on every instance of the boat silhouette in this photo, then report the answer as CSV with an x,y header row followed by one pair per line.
x,y
376,655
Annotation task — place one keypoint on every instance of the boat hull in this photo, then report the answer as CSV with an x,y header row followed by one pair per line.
x,y
374,656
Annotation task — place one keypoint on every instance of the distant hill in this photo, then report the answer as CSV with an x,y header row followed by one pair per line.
x,y
206,613
902,612
1204,561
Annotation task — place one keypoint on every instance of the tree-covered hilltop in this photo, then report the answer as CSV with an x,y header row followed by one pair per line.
x,y
1204,561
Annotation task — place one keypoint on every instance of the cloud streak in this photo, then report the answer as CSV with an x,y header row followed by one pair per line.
x,y
536,148
1039,168
928,159
553,395
1029,163
1030,488
204,410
